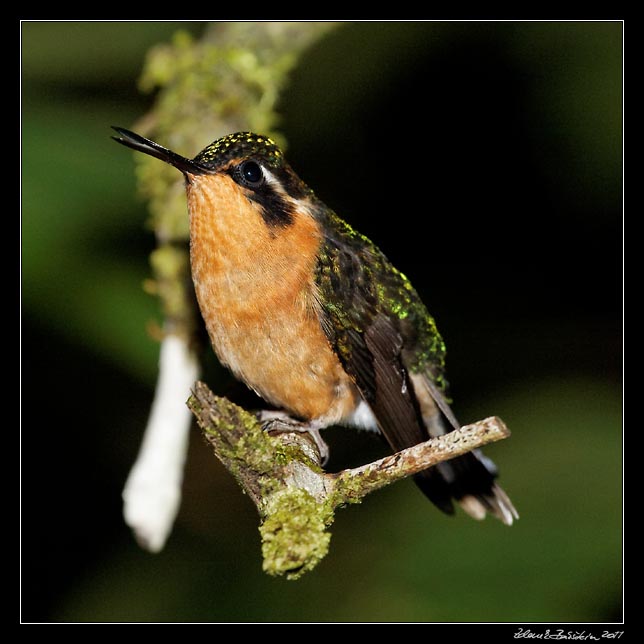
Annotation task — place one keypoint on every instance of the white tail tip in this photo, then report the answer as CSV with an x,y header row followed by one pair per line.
x,y
497,504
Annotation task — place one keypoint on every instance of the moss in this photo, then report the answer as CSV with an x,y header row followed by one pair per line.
x,y
294,534
352,489
243,446
294,529
257,450
239,436
347,490
285,454
171,267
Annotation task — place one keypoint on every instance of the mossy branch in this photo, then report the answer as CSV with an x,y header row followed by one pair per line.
x,y
295,498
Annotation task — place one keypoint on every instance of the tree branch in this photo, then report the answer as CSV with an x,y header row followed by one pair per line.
x,y
295,498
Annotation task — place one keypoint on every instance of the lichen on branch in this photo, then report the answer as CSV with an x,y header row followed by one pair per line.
x,y
295,498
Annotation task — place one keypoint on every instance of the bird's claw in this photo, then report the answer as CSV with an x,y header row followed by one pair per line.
x,y
278,422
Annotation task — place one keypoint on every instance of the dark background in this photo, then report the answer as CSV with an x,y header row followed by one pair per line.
x,y
486,161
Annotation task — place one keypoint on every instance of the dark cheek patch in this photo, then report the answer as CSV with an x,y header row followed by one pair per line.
x,y
276,211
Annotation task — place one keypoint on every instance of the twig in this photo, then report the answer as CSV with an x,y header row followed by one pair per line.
x,y
295,498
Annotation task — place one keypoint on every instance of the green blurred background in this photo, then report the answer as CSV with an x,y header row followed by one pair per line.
x,y
486,160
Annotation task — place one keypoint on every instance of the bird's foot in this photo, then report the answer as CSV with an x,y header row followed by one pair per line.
x,y
280,422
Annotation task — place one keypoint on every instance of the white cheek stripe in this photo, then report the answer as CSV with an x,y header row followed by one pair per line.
x,y
270,178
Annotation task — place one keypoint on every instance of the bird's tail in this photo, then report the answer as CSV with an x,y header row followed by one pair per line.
x,y
469,479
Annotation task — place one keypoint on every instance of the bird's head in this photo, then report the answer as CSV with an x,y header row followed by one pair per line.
x,y
238,172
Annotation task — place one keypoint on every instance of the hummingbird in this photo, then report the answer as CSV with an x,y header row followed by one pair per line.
x,y
312,316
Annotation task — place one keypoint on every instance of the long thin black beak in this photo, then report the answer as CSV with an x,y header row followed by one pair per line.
x,y
141,144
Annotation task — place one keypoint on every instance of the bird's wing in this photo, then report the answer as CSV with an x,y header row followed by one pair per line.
x,y
389,345
379,328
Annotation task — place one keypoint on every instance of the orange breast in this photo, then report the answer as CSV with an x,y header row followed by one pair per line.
x,y
255,288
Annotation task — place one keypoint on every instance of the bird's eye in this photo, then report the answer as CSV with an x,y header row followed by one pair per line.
x,y
251,174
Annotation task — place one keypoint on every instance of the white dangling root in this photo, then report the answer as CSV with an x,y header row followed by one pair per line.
x,y
152,493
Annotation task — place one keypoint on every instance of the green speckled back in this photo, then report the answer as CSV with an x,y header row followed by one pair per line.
x,y
356,283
